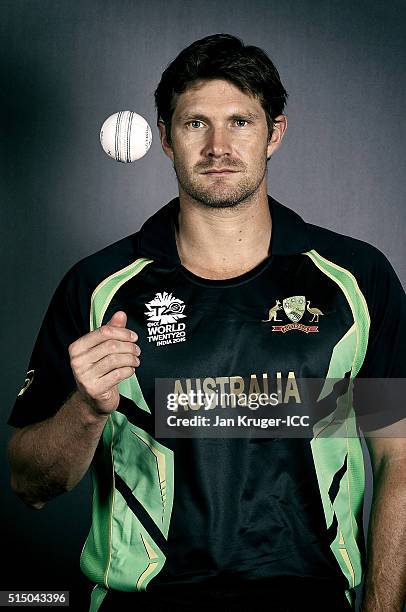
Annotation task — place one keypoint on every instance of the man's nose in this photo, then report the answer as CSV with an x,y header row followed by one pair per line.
x,y
218,142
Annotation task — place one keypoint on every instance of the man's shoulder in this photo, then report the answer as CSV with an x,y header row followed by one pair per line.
x,y
353,254
87,273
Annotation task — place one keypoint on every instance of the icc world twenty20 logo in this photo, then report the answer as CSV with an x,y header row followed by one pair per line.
x,y
163,314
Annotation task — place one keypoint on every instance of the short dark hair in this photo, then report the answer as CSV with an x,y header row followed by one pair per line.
x,y
221,56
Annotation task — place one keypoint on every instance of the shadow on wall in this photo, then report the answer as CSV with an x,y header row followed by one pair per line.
x,y
36,110
42,548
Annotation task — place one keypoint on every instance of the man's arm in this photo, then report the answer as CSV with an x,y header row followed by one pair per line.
x,y
51,457
385,579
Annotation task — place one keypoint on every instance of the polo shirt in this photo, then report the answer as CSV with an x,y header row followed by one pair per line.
x,y
184,511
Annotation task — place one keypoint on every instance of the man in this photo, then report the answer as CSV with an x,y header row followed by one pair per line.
x,y
220,284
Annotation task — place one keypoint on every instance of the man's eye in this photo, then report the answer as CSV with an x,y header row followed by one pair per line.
x,y
194,122
239,121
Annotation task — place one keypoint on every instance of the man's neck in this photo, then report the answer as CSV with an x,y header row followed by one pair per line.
x,y
223,242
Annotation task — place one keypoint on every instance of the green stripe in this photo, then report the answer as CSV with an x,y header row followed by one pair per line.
x,y
119,553
356,300
100,301
95,557
97,597
339,429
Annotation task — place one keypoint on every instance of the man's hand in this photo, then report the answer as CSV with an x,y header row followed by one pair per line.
x,y
103,358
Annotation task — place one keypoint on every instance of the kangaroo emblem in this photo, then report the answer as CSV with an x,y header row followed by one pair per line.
x,y
272,314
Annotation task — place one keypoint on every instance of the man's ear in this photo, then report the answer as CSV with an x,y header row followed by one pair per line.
x,y
279,128
164,141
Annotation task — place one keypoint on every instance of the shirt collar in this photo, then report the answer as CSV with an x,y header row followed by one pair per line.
x,y
156,238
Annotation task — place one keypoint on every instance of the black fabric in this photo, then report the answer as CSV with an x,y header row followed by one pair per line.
x,y
283,595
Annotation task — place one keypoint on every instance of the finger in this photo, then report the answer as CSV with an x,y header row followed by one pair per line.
x,y
119,319
97,388
99,335
110,380
113,362
109,347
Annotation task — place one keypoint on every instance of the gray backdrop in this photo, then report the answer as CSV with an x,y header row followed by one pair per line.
x,y
67,65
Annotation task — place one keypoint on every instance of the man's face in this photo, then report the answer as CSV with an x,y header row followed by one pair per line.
x,y
215,126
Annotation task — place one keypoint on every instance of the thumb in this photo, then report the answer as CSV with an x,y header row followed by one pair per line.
x,y
119,319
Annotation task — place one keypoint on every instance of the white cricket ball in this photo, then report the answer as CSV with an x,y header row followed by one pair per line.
x,y
125,136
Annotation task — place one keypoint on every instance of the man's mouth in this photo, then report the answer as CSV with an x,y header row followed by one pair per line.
x,y
221,171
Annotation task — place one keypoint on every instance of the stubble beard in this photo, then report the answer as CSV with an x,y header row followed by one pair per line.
x,y
219,193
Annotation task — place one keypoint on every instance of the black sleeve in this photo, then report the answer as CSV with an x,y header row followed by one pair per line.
x,y
380,383
49,378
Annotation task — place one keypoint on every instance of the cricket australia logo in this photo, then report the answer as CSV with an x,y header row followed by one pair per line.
x,y
294,308
163,314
